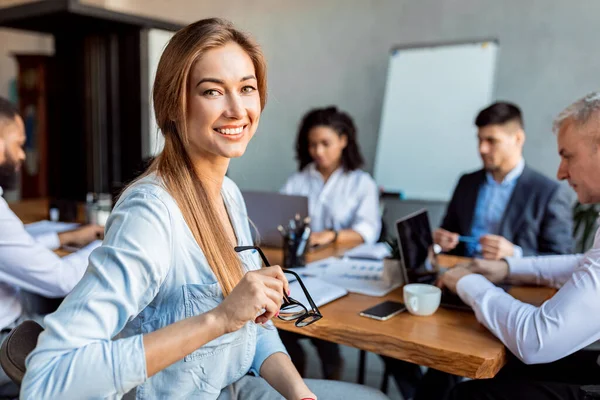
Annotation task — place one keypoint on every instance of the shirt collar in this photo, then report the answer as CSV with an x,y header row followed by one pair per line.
x,y
512,176
312,170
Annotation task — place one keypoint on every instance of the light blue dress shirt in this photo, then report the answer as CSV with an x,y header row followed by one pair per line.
x,y
149,273
492,199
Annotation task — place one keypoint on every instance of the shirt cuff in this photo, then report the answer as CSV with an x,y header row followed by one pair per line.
x,y
48,240
366,232
267,344
471,287
517,252
129,360
520,268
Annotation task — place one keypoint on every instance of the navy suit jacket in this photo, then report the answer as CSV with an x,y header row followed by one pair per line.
x,y
538,216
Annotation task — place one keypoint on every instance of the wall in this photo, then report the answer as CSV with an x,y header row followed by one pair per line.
x,y
336,52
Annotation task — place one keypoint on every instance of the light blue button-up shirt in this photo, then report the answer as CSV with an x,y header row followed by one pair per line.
x,y
149,273
491,203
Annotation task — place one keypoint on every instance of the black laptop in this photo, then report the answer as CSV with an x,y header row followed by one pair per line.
x,y
415,243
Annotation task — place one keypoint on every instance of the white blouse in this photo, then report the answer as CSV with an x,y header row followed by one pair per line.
x,y
348,200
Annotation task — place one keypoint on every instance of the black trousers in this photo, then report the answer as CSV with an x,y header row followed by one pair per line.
x,y
329,353
559,380
413,384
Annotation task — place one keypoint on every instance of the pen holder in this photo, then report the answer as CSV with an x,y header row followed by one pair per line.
x,y
292,257
392,272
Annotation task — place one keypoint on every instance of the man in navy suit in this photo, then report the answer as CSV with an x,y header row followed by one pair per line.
x,y
506,209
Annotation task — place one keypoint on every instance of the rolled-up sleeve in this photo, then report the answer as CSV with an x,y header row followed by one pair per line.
x,y
76,356
367,221
267,344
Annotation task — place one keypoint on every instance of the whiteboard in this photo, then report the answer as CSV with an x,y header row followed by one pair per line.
x,y
427,135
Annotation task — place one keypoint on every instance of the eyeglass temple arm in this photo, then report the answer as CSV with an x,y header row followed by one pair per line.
x,y
239,249
304,289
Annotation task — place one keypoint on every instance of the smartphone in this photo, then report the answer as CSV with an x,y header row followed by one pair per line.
x,y
384,311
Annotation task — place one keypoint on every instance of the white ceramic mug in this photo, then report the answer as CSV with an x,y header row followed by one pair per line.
x,y
421,299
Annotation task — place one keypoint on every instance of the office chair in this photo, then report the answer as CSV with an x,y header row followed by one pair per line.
x,y
16,347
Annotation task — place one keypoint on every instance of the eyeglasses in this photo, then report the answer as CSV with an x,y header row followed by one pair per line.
x,y
291,310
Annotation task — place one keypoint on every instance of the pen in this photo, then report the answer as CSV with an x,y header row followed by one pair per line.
x,y
281,230
303,241
468,239
291,233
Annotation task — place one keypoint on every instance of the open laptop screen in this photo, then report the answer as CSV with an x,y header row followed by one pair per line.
x,y
414,240
267,210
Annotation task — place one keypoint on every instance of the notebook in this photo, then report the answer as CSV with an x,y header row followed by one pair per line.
x,y
376,251
322,292
355,275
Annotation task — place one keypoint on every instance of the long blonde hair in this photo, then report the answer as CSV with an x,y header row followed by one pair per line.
x,y
173,165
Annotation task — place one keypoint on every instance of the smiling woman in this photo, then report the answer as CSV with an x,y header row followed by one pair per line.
x,y
224,109
183,307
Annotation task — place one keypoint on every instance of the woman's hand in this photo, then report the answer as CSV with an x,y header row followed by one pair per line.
x,y
321,238
257,297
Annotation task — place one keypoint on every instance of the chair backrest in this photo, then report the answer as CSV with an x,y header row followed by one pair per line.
x,y
16,347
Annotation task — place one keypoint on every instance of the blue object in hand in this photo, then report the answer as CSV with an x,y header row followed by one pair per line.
x,y
468,239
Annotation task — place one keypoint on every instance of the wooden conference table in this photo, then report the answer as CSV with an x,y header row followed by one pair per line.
x,y
450,341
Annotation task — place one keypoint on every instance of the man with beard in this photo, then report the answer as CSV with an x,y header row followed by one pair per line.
x,y
27,263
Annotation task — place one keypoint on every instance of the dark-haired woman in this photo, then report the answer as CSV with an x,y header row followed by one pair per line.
x,y
343,202
343,199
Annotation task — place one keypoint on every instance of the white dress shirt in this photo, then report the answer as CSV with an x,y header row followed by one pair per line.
x,y
29,264
564,324
348,200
